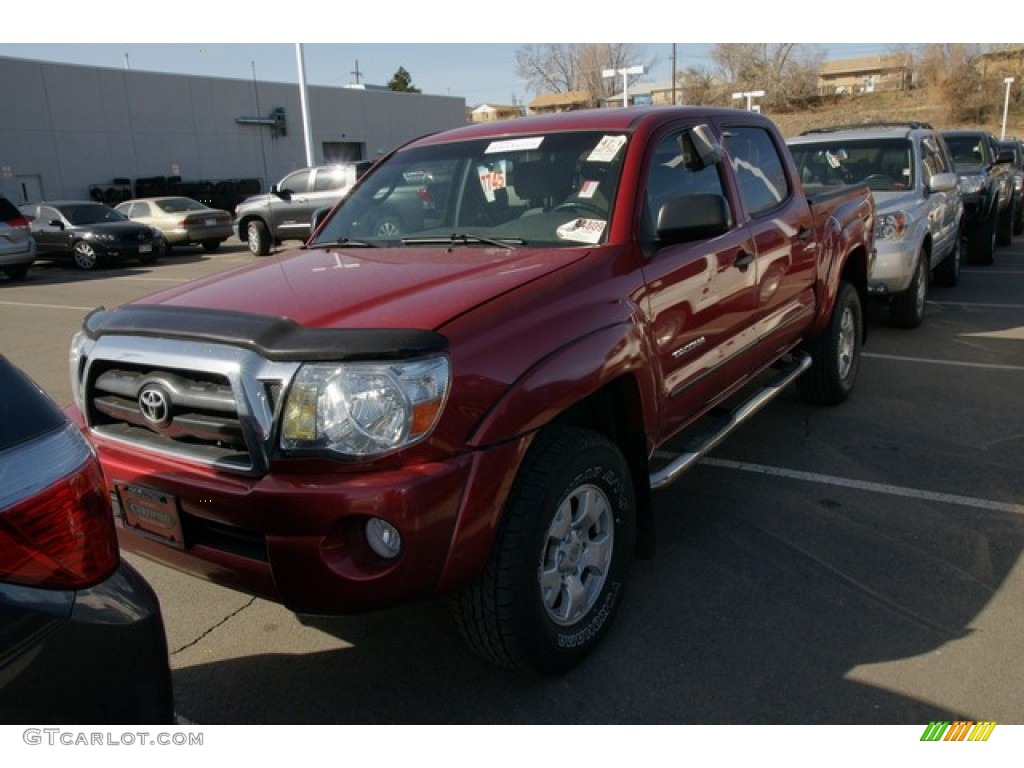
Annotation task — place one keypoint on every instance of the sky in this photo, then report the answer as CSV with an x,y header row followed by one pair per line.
x,y
462,49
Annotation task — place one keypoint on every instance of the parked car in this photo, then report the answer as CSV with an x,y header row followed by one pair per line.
x,y
17,246
987,187
287,211
182,220
909,170
1016,146
91,233
81,632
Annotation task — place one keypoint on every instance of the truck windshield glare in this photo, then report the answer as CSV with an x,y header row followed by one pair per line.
x,y
554,190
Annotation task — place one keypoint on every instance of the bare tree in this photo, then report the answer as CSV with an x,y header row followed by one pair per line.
x,y
787,72
563,67
953,70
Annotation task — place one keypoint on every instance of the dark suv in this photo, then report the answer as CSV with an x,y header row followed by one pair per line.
x,y
1016,146
987,186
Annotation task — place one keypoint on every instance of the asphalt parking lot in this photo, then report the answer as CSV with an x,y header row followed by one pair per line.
x,y
855,565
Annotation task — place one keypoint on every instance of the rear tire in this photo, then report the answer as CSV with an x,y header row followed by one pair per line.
x,y
558,566
836,353
210,245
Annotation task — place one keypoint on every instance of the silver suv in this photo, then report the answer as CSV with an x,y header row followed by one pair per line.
x,y
287,211
17,246
920,212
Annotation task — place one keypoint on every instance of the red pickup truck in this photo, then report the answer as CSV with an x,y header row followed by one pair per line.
x,y
464,382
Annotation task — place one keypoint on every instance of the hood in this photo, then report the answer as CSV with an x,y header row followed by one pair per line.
x,y
907,200
123,228
412,287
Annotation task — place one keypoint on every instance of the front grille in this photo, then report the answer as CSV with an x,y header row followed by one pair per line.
x,y
180,410
210,403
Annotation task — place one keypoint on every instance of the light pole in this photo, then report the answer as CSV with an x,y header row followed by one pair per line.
x,y
1006,106
625,72
749,96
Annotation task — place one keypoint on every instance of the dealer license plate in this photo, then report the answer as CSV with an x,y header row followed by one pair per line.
x,y
149,512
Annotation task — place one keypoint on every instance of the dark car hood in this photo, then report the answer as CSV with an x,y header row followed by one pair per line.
x,y
122,228
412,287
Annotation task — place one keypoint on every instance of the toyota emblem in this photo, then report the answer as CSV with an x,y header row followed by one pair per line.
x,y
155,407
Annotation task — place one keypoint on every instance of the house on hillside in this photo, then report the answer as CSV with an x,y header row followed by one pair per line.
x,y
646,93
867,74
488,113
548,103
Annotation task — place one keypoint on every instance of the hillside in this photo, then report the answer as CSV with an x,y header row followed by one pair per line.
x,y
917,105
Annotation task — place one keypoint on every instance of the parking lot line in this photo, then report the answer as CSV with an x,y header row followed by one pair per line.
x,y
861,485
45,306
929,361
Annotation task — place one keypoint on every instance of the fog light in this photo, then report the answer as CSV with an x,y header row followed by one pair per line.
x,y
383,538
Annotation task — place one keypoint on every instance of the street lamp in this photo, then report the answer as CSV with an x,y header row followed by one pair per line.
x,y
1006,105
749,96
625,72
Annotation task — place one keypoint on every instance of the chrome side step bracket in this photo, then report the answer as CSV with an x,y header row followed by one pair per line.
x,y
679,463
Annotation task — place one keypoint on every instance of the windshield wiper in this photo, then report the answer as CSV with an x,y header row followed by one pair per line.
x,y
505,242
347,242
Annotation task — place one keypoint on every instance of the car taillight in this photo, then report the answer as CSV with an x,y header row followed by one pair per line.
x,y
56,526
18,221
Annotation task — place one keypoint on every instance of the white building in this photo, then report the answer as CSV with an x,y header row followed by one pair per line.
x,y
66,128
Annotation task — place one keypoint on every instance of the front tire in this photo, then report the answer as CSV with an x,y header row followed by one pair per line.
x,y
211,245
947,273
556,573
86,256
907,308
836,353
257,237
982,245
1006,219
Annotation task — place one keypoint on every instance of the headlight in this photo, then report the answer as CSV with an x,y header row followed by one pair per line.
x,y
891,226
973,183
364,409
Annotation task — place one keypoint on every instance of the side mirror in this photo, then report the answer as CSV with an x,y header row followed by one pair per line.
x,y
1005,156
708,149
318,216
692,217
943,182
284,194
56,223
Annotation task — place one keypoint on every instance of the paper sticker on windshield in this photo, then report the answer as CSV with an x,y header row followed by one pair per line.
x,y
514,145
606,149
588,189
492,177
582,230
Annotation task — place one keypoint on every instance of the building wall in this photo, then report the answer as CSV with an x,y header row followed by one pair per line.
x,y
64,128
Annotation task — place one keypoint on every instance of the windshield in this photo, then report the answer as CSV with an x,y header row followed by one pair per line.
x,y
555,189
90,213
967,150
885,165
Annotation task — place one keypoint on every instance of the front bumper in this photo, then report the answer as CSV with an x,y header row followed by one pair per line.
x,y
299,539
893,267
